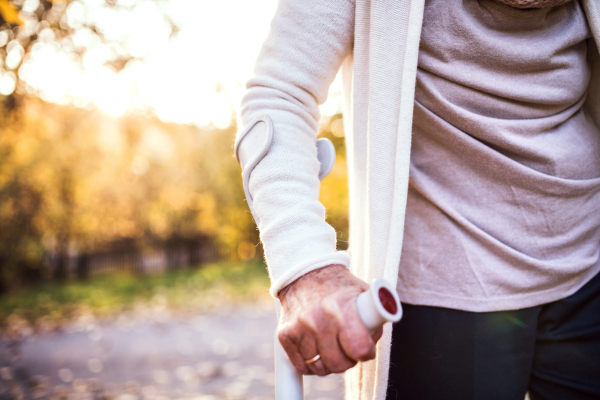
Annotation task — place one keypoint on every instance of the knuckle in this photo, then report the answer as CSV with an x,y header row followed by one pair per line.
x,y
334,314
289,338
284,334
331,307
296,329
329,304
307,321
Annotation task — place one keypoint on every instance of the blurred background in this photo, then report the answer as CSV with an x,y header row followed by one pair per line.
x,y
130,266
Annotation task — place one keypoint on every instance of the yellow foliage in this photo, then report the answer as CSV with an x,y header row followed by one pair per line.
x,y
68,177
246,250
7,209
9,13
206,205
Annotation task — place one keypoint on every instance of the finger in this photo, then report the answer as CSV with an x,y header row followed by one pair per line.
x,y
291,348
332,354
319,368
309,349
354,338
334,357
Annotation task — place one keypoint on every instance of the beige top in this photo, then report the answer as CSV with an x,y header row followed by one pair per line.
x,y
504,196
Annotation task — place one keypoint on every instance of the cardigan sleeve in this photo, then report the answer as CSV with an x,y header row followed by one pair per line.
x,y
306,46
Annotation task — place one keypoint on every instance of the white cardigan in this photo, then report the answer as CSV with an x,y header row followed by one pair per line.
x,y
376,44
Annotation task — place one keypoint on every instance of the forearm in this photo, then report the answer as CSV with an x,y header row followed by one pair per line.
x,y
297,64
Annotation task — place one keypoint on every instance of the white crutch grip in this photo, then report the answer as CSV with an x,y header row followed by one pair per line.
x,y
376,306
379,305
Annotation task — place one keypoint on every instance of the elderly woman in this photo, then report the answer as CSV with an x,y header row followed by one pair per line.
x,y
474,180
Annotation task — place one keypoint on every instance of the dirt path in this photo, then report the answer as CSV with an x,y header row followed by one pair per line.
x,y
226,355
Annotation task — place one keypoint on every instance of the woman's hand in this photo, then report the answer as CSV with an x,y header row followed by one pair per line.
x,y
319,316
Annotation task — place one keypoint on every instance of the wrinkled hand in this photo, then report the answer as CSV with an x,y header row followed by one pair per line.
x,y
319,316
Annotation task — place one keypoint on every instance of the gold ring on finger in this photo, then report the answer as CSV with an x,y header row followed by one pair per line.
x,y
313,360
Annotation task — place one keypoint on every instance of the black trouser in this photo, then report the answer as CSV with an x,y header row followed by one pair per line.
x,y
551,351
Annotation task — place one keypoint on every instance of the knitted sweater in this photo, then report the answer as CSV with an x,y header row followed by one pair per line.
x,y
376,44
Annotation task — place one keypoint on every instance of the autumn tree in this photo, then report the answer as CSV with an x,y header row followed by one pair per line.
x,y
73,27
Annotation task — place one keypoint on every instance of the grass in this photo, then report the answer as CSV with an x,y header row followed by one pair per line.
x,y
215,285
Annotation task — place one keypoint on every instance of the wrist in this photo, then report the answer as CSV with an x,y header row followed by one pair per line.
x,y
319,277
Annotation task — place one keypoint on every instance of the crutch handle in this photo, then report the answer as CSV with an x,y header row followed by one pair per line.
x,y
379,305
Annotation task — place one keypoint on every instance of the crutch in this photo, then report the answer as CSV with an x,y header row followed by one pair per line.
x,y
376,306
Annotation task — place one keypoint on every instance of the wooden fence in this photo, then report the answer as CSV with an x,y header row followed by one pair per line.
x,y
145,260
